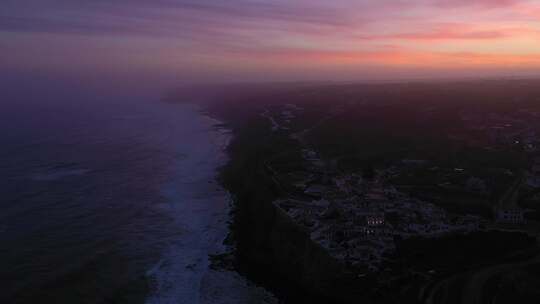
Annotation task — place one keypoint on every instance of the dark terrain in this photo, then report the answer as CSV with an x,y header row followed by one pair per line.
x,y
431,141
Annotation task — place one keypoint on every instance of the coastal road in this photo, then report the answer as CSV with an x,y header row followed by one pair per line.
x,y
472,284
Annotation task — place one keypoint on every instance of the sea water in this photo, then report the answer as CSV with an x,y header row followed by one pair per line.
x,y
112,198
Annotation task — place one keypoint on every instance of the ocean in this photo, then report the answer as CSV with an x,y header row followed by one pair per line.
x,y
112,198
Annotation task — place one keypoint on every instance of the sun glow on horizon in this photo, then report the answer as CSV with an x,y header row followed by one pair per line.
x,y
242,37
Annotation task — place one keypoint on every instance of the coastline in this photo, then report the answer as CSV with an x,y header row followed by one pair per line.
x,y
271,250
200,204
224,283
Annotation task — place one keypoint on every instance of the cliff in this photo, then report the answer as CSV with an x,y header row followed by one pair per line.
x,y
271,248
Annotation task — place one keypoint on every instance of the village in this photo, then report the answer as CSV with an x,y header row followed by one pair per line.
x,y
358,220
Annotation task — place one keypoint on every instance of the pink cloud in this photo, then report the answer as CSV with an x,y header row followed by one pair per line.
x,y
283,33
455,32
482,3
452,35
529,10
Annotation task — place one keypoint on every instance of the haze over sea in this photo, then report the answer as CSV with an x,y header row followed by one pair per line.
x,y
110,196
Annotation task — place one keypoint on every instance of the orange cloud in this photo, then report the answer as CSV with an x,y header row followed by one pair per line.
x,y
395,58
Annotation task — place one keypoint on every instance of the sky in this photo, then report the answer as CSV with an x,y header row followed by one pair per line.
x,y
242,40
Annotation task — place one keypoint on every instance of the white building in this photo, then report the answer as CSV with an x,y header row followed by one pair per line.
x,y
374,219
510,216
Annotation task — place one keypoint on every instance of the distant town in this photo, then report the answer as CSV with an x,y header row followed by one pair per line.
x,y
357,218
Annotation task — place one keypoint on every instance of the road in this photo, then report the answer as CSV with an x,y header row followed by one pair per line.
x,y
472,283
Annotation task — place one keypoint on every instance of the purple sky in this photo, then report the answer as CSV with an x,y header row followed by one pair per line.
x,y
276,40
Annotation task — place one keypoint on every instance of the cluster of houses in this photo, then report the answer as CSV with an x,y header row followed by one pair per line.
x,y
359,222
